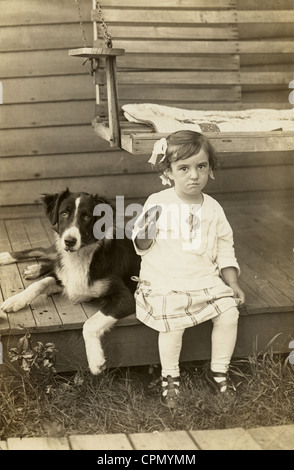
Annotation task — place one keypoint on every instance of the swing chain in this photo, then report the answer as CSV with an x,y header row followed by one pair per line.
x,y
106,35
81,23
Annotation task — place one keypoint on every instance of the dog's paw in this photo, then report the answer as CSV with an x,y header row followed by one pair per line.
x,y
32,272
14,303
6,258
98,366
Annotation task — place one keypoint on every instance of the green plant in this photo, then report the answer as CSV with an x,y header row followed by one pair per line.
x,y
30,358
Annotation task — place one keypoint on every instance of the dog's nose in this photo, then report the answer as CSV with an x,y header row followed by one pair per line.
x,y
70,242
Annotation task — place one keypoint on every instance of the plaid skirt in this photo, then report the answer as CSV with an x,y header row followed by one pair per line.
x,y
176,310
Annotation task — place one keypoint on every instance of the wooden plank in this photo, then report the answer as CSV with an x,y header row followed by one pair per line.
x,y
4,246
112,97
32,63
164,93
28,233
226,142
230,180
61,88
170,15
181,78
254,303
274,437
168,3
68,165
258,77
263,97
50,140
234,160
37,443
266,5
228,31
43,37
21,211
29,192
263,288
230,106
179,61
19,12
176,440
47,114
181,47
52,38
11,284
117,441
262,59
225,439
266,47
96,52
206,47
269,68
270,247
266,16
279,284
266,31
47,227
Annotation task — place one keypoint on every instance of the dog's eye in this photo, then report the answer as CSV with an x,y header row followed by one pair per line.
x,y
63,214
87,218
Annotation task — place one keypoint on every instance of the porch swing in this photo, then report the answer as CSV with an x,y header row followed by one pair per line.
x,y
170,65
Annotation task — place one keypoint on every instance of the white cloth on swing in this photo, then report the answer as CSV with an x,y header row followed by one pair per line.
x,y
166,119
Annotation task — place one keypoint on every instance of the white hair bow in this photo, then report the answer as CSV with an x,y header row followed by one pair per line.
x,y
159,148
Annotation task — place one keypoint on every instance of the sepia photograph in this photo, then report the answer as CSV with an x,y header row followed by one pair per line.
x,y
146,228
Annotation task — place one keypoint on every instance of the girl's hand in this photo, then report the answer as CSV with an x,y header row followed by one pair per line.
x,y
239,295
147,226
231,279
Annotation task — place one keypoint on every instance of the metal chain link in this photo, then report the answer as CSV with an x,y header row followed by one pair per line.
x,y
106,35
81,23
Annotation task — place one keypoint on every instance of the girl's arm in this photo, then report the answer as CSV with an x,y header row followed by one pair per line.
x,y
230,276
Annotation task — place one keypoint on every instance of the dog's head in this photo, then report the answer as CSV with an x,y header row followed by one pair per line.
x,y
73,217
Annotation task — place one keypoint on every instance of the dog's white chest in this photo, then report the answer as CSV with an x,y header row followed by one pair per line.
x,y
74,275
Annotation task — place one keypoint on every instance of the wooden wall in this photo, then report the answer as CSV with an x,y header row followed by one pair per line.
x,y
46,139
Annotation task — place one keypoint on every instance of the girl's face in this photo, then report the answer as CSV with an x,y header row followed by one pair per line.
x,y
190,176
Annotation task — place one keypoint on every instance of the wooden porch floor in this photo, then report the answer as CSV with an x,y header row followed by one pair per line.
x,y
263,229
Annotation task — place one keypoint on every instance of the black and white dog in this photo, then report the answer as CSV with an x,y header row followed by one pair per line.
x,y
81,266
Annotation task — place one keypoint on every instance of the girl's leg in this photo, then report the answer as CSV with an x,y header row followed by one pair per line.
x,y
223,341
170,345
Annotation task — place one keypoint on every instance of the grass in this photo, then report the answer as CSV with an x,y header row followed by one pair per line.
x,y
40,402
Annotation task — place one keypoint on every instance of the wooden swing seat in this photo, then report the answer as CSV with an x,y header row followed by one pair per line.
x,y
191,57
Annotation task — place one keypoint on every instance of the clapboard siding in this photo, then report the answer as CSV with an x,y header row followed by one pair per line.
x,y
32,12
43,37
57,114
231,53
232,180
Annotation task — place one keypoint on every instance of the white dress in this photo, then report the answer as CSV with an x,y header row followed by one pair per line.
x,y
180,282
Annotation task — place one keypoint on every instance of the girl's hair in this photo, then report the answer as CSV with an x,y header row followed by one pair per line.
x,y
184,144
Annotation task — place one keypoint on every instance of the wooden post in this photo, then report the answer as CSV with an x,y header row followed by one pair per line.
x,y
112,99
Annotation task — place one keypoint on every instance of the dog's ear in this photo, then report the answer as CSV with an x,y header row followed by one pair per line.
x,y
51,204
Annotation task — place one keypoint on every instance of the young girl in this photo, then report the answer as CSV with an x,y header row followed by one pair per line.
x,y
189,273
